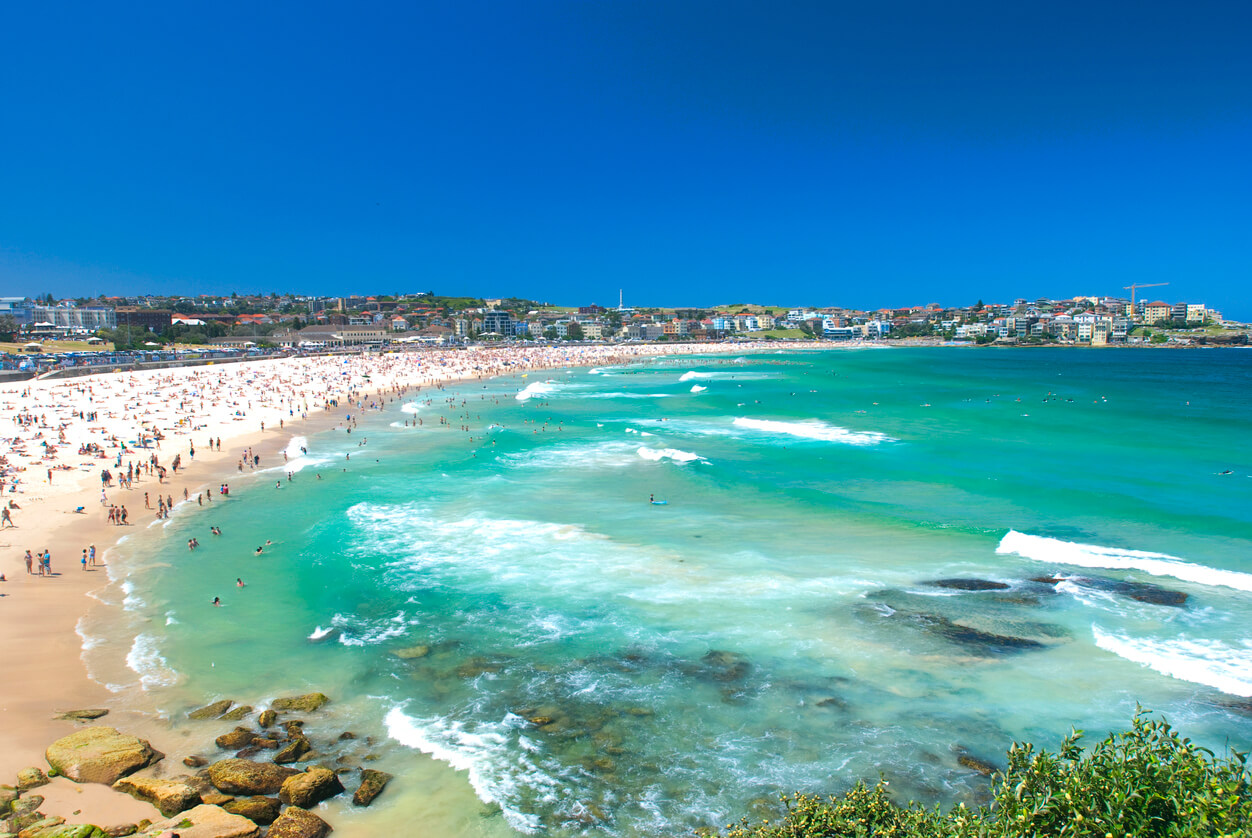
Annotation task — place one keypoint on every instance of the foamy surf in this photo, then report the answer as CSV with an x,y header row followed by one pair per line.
x,y
477,754
687,376
1041,549
813,429
145,660
1206,662
537,388
696,388
673,454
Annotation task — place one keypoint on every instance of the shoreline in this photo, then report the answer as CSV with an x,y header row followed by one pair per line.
x,y
46,673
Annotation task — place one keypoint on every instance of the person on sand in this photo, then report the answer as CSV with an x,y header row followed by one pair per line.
x,y
30,562
6,518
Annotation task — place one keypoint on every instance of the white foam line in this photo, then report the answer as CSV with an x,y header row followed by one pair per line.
x,y
1041,549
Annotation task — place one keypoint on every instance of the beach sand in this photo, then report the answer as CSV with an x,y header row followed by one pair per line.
x,y
241,404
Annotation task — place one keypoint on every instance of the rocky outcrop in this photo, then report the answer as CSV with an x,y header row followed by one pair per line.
x,y
241,776
310,787
303,703
100,755
239,713
83,715
969,584
298,747
240,737
31,778
372,784
71,830
258,809
212,711
267,718
206,821
169,796
412,652
294,822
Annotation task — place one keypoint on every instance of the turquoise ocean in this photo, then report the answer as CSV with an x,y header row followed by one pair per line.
x,y
868,563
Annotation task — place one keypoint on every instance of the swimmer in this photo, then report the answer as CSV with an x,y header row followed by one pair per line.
x,y
238,583
217,601
259,550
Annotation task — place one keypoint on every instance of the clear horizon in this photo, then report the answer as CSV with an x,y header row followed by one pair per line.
x,y
824,154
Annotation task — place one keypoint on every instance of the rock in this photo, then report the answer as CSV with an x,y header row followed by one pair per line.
x,y
267,718
240,737
16,823
258,809
206,821
264,742
31,778
293,751
7,797
121,830
412,652
247,753
27,803
241,776
40,825
195,761
346,735
294,822
972,637
304,703
969,584
216,798
372,784
169,796
83,715
976,764
212,711
725,666
100,755
239,713
294,727
310,788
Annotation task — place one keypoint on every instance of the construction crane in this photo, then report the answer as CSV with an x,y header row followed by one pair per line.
x,y
1131,288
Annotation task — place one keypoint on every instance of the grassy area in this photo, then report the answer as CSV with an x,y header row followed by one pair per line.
x,y
56,346
780,334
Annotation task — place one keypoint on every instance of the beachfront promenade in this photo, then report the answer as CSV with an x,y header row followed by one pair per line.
x,y
79,456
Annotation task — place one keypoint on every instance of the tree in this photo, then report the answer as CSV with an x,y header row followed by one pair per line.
x,y
978,306
550,333
573,331
8,327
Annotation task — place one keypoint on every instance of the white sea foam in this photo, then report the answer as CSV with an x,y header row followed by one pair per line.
x,y
536,388
355,631
669,454
813,429
1209,662
296,447
319,633
626,396
687,376
412,407
1043,549
483,756
696,388
146,661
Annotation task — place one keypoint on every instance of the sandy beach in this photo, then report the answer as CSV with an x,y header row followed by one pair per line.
x,y
175,435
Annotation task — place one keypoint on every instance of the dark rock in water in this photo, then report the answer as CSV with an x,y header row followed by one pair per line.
x,y
1047,580
720,666
212,711
1139,591
267,718
969,584
293,750
832,703
258,809
295,822
972,637
476,666
238,714
982,766
265,742
346,735
248,752
240,737
195,761
372,784
83,715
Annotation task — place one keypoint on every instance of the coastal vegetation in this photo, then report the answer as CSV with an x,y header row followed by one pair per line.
x,y
1146,782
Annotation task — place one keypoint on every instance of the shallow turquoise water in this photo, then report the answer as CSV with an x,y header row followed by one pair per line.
x,y
774,626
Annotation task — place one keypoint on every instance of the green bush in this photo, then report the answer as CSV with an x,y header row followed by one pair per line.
x,y
1146,782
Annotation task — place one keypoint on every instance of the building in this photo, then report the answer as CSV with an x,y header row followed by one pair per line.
x,y
71,318
152,319
1157,312
498,322
344,335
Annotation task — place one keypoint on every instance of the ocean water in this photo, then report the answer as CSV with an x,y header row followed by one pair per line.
x,y
866,563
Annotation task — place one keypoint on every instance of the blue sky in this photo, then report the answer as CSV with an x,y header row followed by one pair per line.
x,y
697,153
